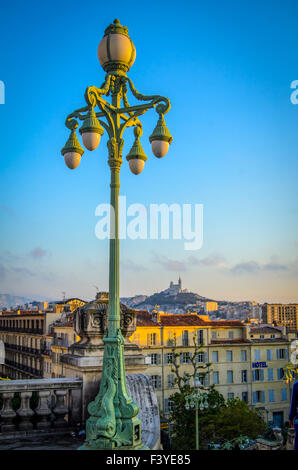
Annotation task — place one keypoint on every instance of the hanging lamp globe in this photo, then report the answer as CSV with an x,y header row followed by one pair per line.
x,y
160,138
72,151
136,157
91,131
116,51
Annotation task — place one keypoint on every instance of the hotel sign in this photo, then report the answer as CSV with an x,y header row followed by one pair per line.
x,y
256,365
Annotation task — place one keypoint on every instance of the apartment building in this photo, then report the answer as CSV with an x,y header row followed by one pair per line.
x,y
56,344
246,362
23,334
281,314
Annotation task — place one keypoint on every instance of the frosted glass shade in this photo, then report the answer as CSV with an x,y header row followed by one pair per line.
x,y
160,148
72,159
121,49
136,165
91,140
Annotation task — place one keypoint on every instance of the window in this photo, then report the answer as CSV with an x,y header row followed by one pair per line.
x,y
216,378
245,396
169,358
171,381
168,406
151,339
230,396
154,359
171,338
200,336
262,336
230,376
213,334
270,374
257,355
259,397
155,381
185,338
214,356
200,357
244,376
185,358
280,373
258,375
243,355
231,334
283,394
271,396
280,353
229,356
269,354
272,336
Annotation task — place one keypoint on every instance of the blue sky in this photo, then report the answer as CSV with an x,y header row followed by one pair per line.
x,y
227,67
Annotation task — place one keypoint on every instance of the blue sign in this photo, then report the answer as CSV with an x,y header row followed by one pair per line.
x,y
256,365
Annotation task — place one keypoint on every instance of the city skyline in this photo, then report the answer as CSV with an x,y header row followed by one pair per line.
x,y
231,118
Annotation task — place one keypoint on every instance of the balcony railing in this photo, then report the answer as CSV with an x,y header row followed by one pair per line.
x,y
26,349
32,331
39,405
24,368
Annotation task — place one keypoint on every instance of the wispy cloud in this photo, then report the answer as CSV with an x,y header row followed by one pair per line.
x,y
38,253
219,262
169,264
23,271
254,267
214,259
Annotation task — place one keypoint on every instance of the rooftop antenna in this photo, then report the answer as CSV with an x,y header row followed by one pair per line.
x,y
97,291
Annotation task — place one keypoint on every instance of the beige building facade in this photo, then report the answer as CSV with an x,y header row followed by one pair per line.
x,y
281,314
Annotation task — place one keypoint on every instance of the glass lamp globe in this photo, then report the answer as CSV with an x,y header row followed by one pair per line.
x,y
91,140
160,148
136,165
116,50
72,159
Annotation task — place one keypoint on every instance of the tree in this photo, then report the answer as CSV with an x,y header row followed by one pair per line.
x,y
221,422
200,369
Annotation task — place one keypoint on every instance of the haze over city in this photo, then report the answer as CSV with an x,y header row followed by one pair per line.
x,y
234,150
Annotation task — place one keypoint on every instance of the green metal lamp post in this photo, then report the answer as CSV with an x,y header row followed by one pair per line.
x,y
198,399
113,421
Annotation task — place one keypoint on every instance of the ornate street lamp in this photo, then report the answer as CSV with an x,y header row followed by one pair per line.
x,y
198,399
113,422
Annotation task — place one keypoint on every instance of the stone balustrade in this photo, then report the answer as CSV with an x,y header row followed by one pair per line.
x,y
58,404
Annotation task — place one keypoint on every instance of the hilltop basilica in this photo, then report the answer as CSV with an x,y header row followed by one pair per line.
x,y
175,289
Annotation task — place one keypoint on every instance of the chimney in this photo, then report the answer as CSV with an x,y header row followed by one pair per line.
x,y
246,331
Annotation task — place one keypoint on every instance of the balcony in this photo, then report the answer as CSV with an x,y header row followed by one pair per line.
x,y
40,410
39,405
60,342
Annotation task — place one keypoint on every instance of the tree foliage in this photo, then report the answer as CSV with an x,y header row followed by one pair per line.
x,y
222,421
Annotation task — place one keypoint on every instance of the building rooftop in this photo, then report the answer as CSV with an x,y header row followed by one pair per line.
x,y
230,341
264,330
144,318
